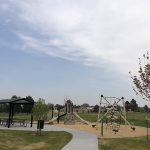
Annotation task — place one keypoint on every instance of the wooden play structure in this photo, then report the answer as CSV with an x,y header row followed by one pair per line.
x,y
66,113
112,114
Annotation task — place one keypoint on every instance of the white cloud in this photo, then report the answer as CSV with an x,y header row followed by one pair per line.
x,y
92,32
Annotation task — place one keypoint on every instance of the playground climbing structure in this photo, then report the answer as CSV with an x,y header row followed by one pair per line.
x,y
69,117
111,114
65,113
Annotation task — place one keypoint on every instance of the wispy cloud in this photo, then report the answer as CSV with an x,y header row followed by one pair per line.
x,y
93,33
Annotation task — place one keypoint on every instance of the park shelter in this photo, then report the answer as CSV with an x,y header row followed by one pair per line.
x,y
12,103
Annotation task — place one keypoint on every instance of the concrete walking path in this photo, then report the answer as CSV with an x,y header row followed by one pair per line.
x,y
80,141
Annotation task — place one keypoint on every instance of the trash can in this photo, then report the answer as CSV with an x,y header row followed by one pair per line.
x,y
40,124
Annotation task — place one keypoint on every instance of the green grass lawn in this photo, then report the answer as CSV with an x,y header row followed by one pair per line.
x,y
4,114
27,140
92,117
18,115
138,143
135,118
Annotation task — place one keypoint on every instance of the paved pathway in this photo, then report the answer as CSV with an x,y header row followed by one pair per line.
x,y
81,140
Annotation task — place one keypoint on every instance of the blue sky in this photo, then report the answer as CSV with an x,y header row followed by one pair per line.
x,y
76,49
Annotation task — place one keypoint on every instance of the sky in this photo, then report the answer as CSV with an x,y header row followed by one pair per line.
x,y
76,49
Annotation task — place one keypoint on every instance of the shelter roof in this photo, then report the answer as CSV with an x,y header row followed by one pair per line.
x,y
17,101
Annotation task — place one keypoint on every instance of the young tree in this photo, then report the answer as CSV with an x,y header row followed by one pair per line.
x,y
40,111
142,81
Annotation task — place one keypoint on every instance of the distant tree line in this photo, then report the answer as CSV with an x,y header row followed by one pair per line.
x,y
129,106
133,106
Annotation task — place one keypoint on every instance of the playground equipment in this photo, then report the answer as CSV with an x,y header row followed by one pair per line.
x,y
54,115
66,113
111,113
81,119
69,118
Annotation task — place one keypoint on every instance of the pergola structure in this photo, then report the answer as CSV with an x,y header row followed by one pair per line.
x,y
12,103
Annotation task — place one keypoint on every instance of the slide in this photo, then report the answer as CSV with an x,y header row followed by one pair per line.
x,y
52,120
81,119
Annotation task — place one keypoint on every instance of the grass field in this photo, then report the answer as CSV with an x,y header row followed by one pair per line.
x,y
18,115
135,118
124,144
27,140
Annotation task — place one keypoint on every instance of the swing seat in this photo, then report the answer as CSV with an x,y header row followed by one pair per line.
x,y
93,125
115,130
133,128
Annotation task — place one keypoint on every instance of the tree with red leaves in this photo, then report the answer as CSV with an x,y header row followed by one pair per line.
x,y
142,81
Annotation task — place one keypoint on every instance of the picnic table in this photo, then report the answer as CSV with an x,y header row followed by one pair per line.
x,y
14,121
22,122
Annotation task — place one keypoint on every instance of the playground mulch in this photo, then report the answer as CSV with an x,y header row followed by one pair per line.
x,y
124,130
